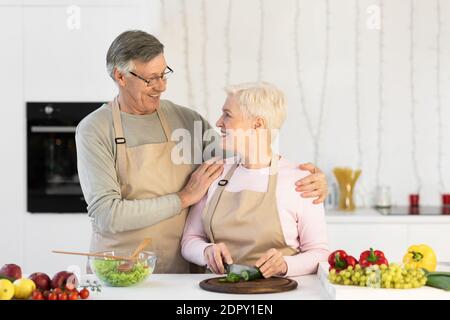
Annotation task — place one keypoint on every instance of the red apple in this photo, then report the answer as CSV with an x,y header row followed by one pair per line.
x,y
64,280
41,280
12,271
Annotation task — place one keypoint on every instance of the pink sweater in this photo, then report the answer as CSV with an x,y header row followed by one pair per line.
x,y
303,222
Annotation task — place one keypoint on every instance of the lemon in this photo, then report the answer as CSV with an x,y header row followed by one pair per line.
x,y
6,289
23,288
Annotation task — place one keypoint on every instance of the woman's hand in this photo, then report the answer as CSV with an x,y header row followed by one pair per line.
x,y
314,185
215,255
199,182
272,263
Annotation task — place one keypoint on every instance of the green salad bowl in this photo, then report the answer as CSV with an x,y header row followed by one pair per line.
x,y
123,273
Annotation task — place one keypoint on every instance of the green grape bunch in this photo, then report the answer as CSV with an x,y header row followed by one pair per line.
x,y
393,276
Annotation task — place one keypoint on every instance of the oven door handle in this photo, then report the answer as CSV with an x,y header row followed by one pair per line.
x,y
44,129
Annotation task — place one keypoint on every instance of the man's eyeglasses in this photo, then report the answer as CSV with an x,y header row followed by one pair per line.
x,y
152,81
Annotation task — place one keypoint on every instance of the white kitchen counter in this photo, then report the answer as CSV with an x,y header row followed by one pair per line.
x,y
186,287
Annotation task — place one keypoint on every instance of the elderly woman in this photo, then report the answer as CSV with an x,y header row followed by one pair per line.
x,y
251,214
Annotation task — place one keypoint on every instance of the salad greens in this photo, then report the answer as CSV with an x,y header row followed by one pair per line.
x,y
108,272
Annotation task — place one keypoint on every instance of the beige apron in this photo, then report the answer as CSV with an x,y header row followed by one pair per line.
x,y
144,172
247,221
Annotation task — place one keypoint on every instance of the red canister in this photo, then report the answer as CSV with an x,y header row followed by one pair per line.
x,y
446,200
414,200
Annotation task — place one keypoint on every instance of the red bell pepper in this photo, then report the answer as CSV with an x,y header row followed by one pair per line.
x,y
339,260
372,257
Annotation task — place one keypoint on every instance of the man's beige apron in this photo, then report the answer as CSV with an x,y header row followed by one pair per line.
x,y
145,172
247,221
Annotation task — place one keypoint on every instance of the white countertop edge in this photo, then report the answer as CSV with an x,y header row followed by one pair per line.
x,y
370,215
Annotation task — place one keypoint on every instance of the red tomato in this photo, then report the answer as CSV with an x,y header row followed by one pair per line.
x,y
73,296
57,290
62,296
72,291
52,296
46,294
84,294
37,295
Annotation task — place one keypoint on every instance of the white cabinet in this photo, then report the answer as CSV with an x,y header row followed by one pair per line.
x,y
12,133
366,228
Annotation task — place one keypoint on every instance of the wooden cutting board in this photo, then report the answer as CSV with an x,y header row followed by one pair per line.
x,y
271,285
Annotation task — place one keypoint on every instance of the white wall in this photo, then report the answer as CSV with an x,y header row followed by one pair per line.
x,y
338,143
44,60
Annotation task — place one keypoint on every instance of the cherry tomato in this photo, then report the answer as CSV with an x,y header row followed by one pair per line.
x,y
73,296
84,294
52,296
46,294
62,296
57,290
37,295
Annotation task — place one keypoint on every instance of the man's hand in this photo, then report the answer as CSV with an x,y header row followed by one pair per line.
x,y
215,255
314,185
199,182
272,263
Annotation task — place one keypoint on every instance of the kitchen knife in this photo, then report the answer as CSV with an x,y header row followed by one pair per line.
x,y
238,268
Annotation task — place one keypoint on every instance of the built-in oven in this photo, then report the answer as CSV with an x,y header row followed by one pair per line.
x,y
52,180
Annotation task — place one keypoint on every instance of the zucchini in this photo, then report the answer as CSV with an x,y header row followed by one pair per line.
x,y
237,272
231,277
251,274
440,280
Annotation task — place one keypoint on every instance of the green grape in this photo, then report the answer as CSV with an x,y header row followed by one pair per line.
x,y
383,276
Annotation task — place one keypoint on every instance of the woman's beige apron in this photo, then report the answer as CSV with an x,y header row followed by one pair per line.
x,y
145,172
247,221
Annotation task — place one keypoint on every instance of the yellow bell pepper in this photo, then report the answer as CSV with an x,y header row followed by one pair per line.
x,y
421,256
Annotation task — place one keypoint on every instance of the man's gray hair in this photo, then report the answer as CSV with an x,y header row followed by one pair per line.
x,y
131,45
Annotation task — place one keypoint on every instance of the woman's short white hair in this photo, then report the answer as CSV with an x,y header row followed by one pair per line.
x,y
260,99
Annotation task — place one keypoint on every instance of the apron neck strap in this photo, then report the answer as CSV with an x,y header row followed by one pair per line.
x,y
273,172
164,123
118,128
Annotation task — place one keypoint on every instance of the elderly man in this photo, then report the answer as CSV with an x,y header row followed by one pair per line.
x,y
132,186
